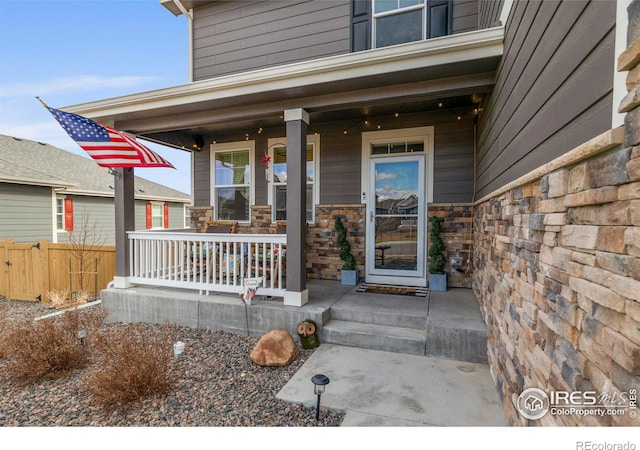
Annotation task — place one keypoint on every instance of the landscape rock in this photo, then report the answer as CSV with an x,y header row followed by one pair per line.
x,y
276,348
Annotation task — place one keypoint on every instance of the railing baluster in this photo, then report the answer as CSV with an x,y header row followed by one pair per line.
x,y
207,262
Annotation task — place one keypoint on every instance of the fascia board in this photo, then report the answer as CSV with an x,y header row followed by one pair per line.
x,y
35,182
157,198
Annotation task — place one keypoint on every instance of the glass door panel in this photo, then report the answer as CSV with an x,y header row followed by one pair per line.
x,y
396,217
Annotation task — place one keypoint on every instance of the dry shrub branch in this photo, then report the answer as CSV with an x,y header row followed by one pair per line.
x,y
50,347
133,363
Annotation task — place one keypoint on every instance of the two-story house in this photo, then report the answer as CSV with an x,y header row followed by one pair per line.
x,y
501,117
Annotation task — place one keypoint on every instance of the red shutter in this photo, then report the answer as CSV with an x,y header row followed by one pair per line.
x,y
149,216
68,214
166,215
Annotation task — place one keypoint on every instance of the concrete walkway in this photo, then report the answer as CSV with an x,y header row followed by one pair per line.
x,y
378,388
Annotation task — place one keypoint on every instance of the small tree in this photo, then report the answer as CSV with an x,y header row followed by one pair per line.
x,y
85,242
345,247
436,266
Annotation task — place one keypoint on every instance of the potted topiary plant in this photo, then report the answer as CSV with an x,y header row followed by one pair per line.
x,y
437,275
349,272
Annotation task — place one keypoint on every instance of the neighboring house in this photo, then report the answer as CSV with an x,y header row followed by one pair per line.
x,y
500,117
47,192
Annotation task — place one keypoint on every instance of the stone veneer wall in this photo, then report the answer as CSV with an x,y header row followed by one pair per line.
x,y
200,215
557,270
323,260
456,235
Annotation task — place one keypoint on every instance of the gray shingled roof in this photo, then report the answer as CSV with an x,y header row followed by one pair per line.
x,y
29,162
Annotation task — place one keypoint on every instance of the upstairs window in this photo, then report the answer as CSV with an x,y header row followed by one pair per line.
x,y
401,21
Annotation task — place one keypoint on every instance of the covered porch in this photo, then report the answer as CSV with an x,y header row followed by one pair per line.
x,y
441,324
313,140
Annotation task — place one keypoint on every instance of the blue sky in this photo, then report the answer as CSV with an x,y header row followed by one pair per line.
x,y
69,52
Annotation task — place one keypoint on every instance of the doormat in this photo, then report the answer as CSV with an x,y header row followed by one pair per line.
x,y
393,290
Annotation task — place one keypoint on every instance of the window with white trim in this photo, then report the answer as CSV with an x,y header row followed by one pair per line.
x,y
401,21
187,216
278,178
60,213
64,214
231,175
157,215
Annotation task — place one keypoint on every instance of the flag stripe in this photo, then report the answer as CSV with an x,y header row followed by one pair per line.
x,y
108,147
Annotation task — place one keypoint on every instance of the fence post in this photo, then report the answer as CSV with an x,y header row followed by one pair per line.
x,y
43,258
4,269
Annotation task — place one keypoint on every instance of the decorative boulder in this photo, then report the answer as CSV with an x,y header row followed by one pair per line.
x,y
276,348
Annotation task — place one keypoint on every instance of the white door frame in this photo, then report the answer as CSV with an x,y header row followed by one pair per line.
x,y
425,134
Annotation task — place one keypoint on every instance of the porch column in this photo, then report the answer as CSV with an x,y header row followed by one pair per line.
x,y
125,221
296,293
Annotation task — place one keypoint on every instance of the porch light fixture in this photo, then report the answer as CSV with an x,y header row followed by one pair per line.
x,y
319,382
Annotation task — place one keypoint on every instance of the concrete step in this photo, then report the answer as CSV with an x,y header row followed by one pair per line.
x,y
459,340
375,337
462,341
389,316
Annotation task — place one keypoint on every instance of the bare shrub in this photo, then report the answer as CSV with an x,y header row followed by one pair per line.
x,y
134,362
60,299
50,347
82,297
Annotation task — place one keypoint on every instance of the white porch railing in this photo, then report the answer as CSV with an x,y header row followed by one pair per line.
x,y
208,261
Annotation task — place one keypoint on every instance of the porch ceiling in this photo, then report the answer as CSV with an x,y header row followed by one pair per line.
x,y
410,77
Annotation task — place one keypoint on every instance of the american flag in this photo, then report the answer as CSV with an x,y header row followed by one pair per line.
x,y
108,147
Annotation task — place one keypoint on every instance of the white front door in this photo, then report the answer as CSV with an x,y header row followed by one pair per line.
x,y
397,185
396,211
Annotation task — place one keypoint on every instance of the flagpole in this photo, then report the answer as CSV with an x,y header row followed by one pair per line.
x,y
42,101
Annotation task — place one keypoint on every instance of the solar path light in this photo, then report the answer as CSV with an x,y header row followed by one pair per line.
x,y
319,382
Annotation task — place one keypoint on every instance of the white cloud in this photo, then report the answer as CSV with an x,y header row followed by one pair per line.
x,y
72,84
380,176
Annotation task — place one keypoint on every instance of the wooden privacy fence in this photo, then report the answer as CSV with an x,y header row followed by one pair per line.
x,y
30,270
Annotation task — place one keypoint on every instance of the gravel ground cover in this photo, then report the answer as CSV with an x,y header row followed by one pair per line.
x,y
218,386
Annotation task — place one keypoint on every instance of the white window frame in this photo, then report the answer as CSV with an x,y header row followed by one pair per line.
x,y
187,215
393,12
389,136
313,139
57,215
153,206
230,147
